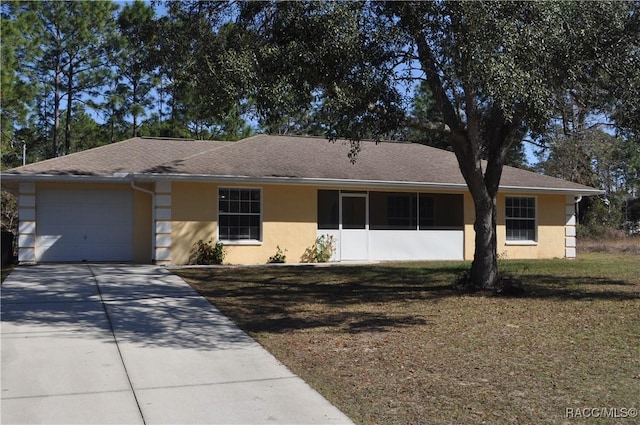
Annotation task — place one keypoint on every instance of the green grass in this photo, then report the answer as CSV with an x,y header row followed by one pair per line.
x,y
394,344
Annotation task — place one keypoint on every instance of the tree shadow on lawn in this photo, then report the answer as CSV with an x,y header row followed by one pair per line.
x,y
280,299
578,288
364,298
350,321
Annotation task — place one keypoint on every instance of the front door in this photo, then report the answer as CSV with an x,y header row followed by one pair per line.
x,y
354,227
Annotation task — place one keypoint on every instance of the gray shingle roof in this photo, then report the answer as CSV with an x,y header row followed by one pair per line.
x,y
278,158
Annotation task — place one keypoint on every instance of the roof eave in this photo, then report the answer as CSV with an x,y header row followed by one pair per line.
x,y
299,181
458,187
280,180
553,190
64,178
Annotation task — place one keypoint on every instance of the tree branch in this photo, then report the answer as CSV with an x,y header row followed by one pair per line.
x,y
427,61
534,143
437,127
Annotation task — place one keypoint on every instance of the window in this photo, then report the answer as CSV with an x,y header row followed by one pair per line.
x,y
521,219
239,214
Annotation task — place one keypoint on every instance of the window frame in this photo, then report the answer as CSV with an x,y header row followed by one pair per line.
x,y
260,216
507,218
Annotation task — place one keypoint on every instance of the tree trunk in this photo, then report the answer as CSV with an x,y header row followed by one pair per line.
x,y
56,105
466,140
67,127
56,114
134,102
484,268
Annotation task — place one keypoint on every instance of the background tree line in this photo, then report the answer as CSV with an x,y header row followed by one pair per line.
x,y
76,75
481,79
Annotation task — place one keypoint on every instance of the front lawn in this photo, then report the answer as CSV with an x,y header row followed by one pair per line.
x,y
393,344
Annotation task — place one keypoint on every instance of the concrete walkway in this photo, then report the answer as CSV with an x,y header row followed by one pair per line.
x,y
128,344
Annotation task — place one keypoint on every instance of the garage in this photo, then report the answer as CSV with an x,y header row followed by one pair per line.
x,y
84,225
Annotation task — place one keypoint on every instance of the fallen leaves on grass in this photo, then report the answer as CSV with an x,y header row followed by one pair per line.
x,y
394,344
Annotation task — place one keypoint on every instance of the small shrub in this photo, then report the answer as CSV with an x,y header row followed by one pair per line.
x,y
279,256
206,253
324,248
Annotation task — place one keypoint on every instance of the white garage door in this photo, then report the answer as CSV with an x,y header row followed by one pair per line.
x,y
84,225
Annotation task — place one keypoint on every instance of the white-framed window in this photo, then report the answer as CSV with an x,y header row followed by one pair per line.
x,y
520,218
239,214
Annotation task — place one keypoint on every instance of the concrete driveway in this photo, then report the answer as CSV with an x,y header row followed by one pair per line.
x,y
133,344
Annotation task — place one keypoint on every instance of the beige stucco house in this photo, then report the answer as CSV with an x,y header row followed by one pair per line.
x,y
149,200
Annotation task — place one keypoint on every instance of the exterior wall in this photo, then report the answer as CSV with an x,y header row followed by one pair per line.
x,y
288,220
469,232
550,235
185,212
551,230
193,217
142,226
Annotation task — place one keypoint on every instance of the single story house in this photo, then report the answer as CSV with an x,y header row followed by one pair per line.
x,y
150,200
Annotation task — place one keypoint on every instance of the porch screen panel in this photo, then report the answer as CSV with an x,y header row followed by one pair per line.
x,y
426,205
328,209
440,211
354,214
392,211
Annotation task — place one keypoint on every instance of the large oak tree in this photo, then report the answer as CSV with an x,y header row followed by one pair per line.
x,y
495,70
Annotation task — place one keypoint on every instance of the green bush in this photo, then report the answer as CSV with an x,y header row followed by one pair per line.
x,y
323,248
206,253
279,256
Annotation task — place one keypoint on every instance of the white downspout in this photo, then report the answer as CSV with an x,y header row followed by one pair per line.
x,y
153,216
577,203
